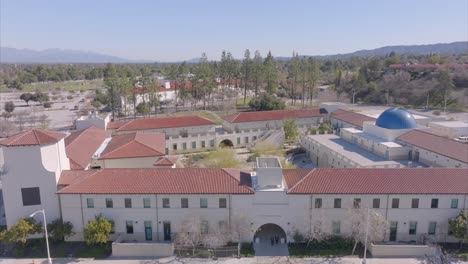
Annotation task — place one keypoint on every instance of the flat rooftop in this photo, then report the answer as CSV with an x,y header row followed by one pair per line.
x,y
374,138
452,124
352,152
268,163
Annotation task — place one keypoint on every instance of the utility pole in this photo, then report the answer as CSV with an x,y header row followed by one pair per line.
x,y
365,240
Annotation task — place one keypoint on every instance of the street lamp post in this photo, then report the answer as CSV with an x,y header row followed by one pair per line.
x,y
49,260
365,240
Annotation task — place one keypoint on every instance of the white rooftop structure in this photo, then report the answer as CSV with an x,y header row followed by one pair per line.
x,y
269,174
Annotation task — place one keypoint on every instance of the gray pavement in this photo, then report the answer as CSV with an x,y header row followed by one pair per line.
x,y
256,260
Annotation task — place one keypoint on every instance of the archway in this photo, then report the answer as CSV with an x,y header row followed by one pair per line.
x,y
267,232
226,144
270,240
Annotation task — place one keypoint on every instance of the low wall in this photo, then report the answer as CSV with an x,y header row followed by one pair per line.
x,y
401,250
142,249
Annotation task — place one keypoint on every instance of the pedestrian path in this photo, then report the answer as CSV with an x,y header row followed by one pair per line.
x,y
266,249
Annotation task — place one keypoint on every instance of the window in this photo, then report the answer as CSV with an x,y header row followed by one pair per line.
x,y
395,203
203,144
184,145
454,203
246,140
432,228
337,203
167,151
203,202
357,203
254,138
222,203
129,225
174,146
415,203
204,227
165,202
222,225
184,202
376,203
31,196
194,144
336,227
412,228
128,203
146,203
90,202
238,141
212,143
318,202
109,203
434,203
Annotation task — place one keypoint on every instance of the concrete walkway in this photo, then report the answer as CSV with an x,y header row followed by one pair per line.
x,y
255,260
266,249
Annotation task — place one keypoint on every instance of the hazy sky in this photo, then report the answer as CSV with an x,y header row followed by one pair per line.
x,y
177,30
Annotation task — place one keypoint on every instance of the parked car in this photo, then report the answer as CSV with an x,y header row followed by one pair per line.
x,y
463,139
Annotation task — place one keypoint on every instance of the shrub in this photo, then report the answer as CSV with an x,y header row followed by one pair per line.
x,y
59,230
98,230
69,97
436,112
47,105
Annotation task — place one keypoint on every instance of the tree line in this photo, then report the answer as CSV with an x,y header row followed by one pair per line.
x,y
359,79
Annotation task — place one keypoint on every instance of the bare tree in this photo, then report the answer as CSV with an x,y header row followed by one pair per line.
x,y
239,228
7,128
21,119
43,121
366,222
216,237
190,233
319,230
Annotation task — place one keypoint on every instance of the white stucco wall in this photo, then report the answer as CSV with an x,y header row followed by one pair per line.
x,y
32,166
140,162
290,212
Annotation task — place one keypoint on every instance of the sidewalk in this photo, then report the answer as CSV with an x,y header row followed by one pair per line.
x,y
255,260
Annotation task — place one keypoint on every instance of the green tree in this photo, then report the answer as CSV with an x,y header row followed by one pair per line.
x,y
143,108
9,107
58,230
291,131
258,72
20,232
313,73
40,97
26,97
441,92
266,102
202,80
246,72
111,82
221,158
172,73
97,231
271,74
459,226
293,74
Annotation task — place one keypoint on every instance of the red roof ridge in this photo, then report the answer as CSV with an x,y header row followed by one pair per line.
x,y
36,134
80,179
107,154
238,180
301,180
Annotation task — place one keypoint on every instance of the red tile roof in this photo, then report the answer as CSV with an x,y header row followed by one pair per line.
x,y
165,122
32,137
116,124
437,144
160,181
81,145
350,117
72,176
379,181
271,115
135,145
166,161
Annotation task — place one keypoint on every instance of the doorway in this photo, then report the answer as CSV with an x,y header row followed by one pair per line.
x,y
393,231
148,231
167,230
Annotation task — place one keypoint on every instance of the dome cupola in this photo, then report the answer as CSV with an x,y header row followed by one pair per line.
x,y
396,118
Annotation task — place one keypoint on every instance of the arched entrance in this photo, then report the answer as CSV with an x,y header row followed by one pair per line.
x,y
226,144
270,240
267,232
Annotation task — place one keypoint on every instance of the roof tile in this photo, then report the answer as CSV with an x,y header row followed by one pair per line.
x,y
33,137
256,116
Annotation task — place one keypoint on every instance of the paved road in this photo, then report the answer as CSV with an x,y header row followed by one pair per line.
x,y
256,260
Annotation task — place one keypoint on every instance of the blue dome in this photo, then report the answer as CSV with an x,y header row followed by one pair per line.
x,y
396,118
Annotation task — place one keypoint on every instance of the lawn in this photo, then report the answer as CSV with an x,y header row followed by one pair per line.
x,y
65,86
36,248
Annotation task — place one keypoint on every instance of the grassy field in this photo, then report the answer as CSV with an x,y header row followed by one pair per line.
x,y
50,86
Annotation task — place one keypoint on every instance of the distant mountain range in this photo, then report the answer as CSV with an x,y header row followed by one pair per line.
x,y
12,55
439,48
